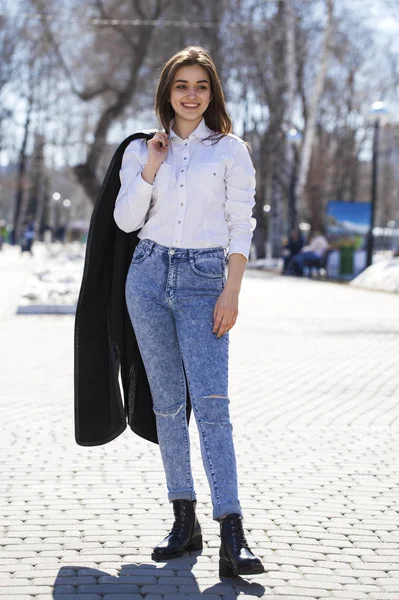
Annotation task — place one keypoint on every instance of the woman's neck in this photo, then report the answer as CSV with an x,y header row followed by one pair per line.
x,y
184,128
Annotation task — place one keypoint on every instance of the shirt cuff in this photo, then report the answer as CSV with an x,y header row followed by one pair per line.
x,y
240,247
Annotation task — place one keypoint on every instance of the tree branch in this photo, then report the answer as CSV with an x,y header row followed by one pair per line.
x,y
86,172
127,38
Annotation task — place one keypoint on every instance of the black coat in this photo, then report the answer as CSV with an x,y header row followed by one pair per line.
x,y
105,343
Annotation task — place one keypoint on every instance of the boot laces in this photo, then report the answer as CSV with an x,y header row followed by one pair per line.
x,y
239,539
180,519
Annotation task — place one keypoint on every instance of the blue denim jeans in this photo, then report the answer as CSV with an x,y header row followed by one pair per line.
x,y
303,258
171,294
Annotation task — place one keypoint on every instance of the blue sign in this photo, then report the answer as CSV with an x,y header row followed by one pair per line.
x,y
347,219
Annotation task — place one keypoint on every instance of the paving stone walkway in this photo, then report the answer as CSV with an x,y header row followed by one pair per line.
x,y
314,389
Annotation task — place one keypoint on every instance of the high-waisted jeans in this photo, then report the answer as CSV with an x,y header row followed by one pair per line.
x,y
171,295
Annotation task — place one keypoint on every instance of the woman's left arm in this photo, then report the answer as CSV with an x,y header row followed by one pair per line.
x,y
240,199
226,308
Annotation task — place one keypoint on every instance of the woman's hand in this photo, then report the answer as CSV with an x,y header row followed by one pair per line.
x,y
158,149
225,311
226,308
157,153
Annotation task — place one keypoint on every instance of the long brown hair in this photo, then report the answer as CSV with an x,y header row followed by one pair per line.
x,y
216,116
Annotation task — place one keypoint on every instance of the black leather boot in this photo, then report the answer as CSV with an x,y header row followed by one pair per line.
x,y
235,556
184,535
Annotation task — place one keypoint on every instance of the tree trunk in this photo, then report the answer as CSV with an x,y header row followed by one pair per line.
x,y
285,87
263,195
290,60
310,126
86,173
21,174
290,152
31,201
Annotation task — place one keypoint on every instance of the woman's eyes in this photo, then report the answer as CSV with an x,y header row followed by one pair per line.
x,y
202,87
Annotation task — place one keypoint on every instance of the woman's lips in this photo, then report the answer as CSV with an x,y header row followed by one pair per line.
x,y
188,107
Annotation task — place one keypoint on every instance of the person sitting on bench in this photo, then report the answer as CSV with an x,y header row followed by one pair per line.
x,y
311,254
291,248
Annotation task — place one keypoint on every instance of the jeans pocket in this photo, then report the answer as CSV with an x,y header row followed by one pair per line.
x,y
141,252
208,266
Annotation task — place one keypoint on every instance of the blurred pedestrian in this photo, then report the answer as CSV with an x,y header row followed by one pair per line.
x,y
48,238
3,233
189,191
28,236
292,247
60,233
310,254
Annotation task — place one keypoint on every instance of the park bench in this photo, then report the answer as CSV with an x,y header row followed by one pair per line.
x,y
317,265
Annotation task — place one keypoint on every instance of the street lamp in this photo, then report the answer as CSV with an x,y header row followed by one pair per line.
x,y
55,215
377,110
294,137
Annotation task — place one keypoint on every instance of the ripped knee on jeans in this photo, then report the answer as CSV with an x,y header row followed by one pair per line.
x,y
214,413
170,411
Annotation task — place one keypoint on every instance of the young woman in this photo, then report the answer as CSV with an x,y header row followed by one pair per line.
x,y
190,191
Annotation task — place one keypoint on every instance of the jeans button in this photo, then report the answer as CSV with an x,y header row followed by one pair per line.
x,y
171,251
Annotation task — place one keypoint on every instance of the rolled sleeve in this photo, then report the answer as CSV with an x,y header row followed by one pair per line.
x,y
240,199
134,197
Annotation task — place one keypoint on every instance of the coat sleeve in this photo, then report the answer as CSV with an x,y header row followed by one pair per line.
x,y
134,197
240,193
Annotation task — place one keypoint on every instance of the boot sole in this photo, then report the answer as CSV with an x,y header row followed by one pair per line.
x,y
226,569
195,544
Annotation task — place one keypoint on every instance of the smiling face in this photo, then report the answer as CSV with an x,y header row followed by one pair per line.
x,y
190,93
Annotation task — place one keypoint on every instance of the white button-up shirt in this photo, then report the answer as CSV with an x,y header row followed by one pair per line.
x,y
202,195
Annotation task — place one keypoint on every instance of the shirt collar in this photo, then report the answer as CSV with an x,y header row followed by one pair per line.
x,y
201,131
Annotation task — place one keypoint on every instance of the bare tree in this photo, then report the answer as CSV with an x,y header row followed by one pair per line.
x,y
21,178
114,90
312,110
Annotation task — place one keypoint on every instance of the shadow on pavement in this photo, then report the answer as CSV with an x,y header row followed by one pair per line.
x,y
136,581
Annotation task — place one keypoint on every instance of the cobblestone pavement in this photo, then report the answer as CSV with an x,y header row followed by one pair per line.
x,y
314,402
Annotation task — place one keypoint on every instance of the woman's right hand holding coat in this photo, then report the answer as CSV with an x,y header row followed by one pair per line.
x,y
157,153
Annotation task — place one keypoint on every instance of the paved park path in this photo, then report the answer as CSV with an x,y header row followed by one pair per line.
x,y
314,389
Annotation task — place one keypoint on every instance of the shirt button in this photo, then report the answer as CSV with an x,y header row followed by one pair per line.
x,y
182,171
186,144
185,158
179,222
181,185
181,203
176,241
172,251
